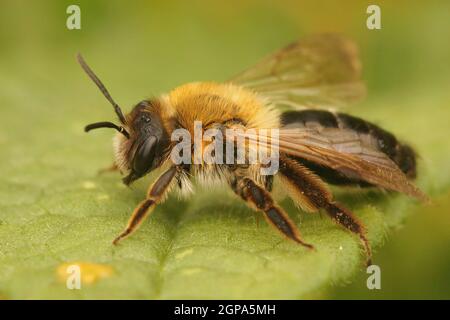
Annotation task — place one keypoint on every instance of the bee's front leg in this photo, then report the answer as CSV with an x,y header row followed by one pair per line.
x,y
155,195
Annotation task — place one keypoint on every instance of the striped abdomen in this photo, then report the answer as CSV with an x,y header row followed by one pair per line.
x,y
380,140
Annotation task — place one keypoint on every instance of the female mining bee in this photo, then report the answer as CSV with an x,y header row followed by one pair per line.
x,y
315,146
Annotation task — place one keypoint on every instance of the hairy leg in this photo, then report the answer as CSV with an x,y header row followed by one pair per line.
x,y
311,194
260,200
155,195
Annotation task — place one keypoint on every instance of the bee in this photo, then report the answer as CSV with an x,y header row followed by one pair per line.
x,y
293,91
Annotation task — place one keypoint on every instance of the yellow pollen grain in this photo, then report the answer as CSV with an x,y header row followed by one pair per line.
x,y
89,272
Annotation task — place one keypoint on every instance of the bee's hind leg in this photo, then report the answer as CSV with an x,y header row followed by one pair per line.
x,y
260,200
155,195
310,192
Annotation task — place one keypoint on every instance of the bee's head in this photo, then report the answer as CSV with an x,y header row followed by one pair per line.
x,y
141,139
144,149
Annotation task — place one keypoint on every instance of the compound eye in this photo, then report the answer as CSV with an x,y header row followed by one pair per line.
x,y
144,156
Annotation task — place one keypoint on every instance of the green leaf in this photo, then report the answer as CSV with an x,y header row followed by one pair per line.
x,y
55,210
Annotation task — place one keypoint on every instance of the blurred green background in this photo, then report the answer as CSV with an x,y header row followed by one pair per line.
x,y
144,48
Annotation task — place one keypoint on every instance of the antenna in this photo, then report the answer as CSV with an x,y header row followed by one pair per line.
x,y
100,85
107,124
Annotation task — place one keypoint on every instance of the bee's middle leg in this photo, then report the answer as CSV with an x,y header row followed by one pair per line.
x,y
155,195
260,200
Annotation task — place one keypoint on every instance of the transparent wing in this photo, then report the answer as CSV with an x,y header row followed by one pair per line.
x,y
345,141
317,72
346,152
